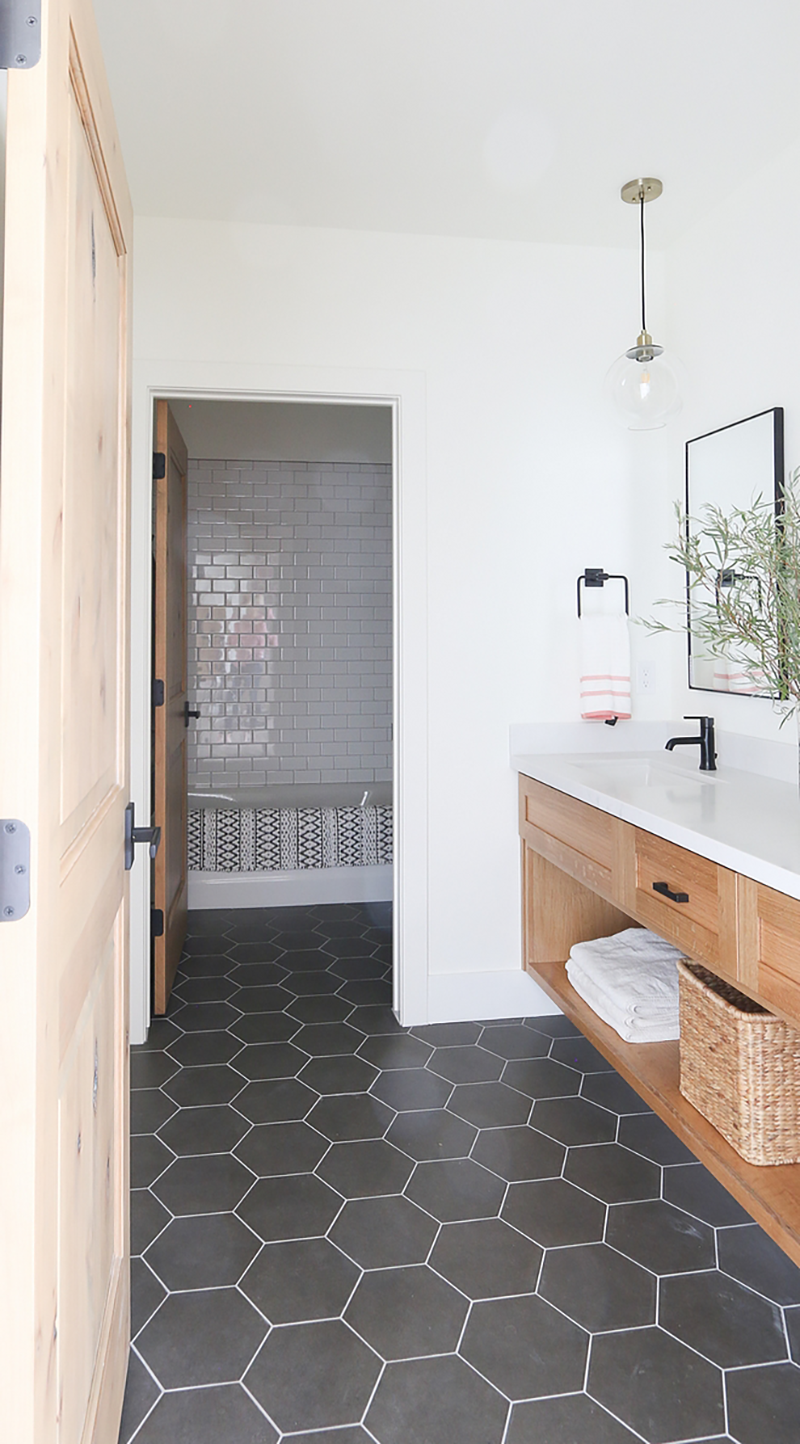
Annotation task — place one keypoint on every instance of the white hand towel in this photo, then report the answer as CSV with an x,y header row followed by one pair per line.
x,y
631,1030
639,1014
635,968
605,668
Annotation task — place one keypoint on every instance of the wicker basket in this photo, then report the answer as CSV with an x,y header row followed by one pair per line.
x,y
740,1067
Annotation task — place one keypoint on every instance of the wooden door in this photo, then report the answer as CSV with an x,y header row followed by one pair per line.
x,y
64,1277
170,730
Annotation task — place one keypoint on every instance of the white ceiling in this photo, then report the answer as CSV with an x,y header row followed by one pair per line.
x,y
512,119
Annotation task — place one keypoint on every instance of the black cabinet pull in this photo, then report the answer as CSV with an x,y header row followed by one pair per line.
x,y
187,713
665,890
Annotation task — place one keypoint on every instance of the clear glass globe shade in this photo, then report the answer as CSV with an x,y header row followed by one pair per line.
x,y
645,393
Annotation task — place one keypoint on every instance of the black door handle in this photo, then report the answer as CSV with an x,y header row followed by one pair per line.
x,y
188,712
664,889
133,834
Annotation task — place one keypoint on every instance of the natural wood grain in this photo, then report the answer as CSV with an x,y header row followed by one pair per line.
x,y
170,733
703,927
64,641
771,1195
560,911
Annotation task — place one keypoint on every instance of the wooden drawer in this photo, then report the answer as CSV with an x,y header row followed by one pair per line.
x,y
769,947
703,922
579,839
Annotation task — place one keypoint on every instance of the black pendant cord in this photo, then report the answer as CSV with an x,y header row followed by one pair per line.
x,y
641,226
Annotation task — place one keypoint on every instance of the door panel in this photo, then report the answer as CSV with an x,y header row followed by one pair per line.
x,y
64,745
170,786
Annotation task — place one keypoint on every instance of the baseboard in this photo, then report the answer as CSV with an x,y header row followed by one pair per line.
x,y
461,997
290,889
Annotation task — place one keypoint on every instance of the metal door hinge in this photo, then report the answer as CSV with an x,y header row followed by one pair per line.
x,y
134,834
20,34
157,922
158,692
159,465
15,869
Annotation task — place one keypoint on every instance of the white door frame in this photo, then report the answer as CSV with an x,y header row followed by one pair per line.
x,y
404,392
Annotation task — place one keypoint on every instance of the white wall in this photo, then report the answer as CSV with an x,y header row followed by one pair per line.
x,y
529,480
270,431
734,314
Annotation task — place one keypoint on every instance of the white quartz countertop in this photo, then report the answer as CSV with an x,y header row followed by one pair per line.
x,y
743,820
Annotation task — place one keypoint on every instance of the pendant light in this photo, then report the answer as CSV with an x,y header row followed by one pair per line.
x,y
642,384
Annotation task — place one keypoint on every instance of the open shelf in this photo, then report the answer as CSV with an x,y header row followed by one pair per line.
x,y
770,1194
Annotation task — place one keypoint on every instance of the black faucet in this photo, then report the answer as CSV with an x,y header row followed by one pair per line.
x,y
708,757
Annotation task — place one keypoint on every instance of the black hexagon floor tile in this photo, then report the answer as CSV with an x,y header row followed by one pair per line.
x,y
365,1170
276,1100
432,1134
489,1105
205,1337
541,1078
599,1288
210,1183
285,1251
407,1313
300,1280
271,1149
384,1232
435,1401
764,1404
298,1206
747,1254
656,1385
330,1009
456,1189
344,1074
513,1041
525,1347
663,1238
313,1375
721,1319
487,1259
554,1213
464,1064
350,1117
207,1416
206,1251
193,1087
573,1120
518,1153
216,1129
411,1089
613,1173
692,1188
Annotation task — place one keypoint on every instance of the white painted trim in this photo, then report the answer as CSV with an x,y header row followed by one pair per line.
x,y
461,997
293,887
405,392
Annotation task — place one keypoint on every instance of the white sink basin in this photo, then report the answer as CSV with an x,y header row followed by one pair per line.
x,y
640,772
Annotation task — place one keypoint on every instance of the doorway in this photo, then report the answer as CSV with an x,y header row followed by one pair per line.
x,y
290,612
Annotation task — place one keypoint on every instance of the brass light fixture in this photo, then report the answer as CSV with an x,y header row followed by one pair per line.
x,y
642,384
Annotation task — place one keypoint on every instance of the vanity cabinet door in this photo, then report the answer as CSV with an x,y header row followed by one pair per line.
x,y
688,900
582,841
769,947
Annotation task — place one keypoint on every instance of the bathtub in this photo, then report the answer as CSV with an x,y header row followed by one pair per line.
x,y
286,844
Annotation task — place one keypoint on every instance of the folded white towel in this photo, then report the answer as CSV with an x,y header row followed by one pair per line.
x,y
631,1030
635,968
645,1015
605,668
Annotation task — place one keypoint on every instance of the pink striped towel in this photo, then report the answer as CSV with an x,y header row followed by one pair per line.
x,y
605,668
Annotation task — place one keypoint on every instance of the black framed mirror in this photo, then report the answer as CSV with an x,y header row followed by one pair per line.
x,y
729,469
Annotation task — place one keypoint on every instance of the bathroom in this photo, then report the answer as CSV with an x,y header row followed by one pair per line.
x,y
512,477
289,666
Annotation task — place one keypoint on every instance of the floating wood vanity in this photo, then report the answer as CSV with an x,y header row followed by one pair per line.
x,y
588,873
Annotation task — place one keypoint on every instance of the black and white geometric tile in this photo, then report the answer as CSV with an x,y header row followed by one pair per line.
x,y
345,1231
264,839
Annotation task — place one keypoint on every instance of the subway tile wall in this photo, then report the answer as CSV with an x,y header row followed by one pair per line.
x,y
290,622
